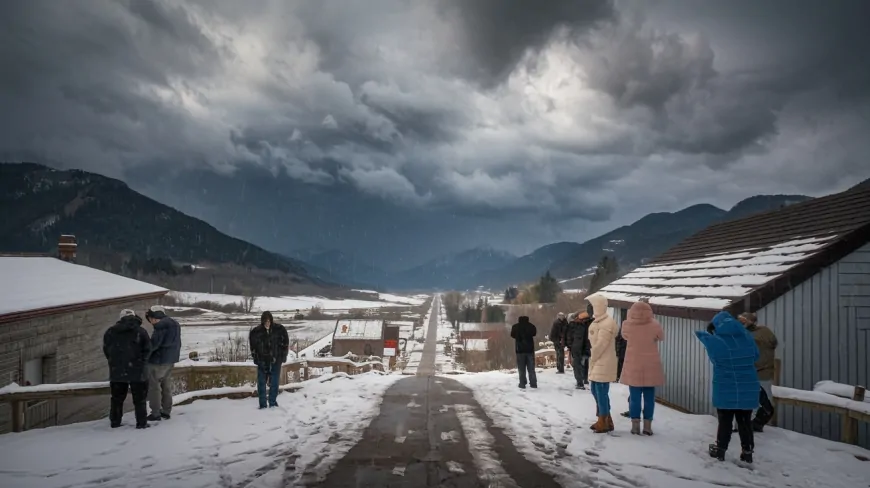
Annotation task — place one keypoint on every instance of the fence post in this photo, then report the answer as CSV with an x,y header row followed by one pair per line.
x,y
305,372
17,416
858,396
850,425
777,371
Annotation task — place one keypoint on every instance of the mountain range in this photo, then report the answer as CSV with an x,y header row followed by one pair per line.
x,y
119,229
125,232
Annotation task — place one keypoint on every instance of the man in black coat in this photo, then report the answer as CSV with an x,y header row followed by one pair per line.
x,y
126,346
523,333
580,347
558,336
269,345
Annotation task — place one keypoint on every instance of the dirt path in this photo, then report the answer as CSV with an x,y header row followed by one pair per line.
x,y
432,433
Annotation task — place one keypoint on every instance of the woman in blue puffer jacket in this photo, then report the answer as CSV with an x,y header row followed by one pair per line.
x,y
733,352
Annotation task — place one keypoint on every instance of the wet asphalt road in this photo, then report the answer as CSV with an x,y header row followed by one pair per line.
x,y
432,433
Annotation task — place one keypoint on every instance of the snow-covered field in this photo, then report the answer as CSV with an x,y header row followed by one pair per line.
x,y
202,338
550,426
302,302
209,443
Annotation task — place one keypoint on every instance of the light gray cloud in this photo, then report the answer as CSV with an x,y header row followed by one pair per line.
x,y
572,111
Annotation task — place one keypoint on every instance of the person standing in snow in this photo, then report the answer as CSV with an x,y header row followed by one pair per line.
x,y
578,343
165,352
126,346
767,343
523,333
733,353
557,336
603,362
269,346
643,370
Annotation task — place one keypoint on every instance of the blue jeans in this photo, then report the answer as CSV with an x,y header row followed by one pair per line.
x,y
635,393
273,372
601,393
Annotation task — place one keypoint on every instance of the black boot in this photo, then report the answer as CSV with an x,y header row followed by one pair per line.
x,y
154,418
746,456
716,452
142,426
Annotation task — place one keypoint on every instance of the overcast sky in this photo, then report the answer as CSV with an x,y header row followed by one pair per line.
x,y
442,124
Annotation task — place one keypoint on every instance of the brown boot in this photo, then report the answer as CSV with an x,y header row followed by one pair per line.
x,y
596,423
647,427
600,427
610,427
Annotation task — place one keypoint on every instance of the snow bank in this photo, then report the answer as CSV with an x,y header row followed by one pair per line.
x,y
293,303
208,443
550,426
820,397
838,389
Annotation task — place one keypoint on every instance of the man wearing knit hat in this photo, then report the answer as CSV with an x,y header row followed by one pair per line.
x,y
165,352
767,343
126,346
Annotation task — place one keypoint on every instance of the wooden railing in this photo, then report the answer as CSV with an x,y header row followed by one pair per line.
x,y
851,410
191,381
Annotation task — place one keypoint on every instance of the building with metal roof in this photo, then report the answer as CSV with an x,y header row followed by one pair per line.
x,y
804,270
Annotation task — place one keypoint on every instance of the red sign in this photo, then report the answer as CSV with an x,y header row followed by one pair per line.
x,y
391,344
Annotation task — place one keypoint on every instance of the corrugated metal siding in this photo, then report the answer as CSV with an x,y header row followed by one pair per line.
x,y
823,327
688,374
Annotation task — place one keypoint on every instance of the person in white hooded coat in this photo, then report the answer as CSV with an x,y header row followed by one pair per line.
x,y
603,363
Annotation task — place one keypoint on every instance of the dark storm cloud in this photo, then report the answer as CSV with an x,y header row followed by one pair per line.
x,y
547,112
499,33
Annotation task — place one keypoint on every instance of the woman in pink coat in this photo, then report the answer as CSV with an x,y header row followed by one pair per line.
x,y
642,371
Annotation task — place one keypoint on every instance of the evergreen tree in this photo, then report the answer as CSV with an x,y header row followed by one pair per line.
x,y
548,288
606,272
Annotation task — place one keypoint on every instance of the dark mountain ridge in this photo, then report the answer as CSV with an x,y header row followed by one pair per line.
x,y
119,229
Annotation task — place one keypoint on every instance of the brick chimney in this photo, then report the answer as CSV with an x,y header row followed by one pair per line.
x,y
66,248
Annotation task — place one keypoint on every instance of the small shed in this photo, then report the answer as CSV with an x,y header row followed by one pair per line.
x,y
475,330
804,270
361,337
53,315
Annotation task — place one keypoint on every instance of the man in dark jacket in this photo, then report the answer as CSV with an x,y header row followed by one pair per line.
x,y
580,347
126,346
557,336
165,352
523,333
269,345
767,343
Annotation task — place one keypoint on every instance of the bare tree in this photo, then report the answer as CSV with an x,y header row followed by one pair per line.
x,y
248,302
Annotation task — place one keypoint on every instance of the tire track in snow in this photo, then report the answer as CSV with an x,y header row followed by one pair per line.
x,y
481,443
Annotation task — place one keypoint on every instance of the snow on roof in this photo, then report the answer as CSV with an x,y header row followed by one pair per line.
x,y
715,280
476,344
34,283
479,327
359,329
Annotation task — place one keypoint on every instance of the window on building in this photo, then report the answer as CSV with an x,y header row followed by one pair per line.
x,y
34,371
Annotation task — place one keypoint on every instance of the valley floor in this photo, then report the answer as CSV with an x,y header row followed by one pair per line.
x,y
377,430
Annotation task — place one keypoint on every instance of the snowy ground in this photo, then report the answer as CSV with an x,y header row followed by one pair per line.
x,y
550,426
302,302
203,338
210,443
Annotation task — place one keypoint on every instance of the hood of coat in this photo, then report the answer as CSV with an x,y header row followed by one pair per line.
x,y
726,325
130,322
641,314
599,304
524,319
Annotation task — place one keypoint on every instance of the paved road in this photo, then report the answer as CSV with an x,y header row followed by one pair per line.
x,y
432,433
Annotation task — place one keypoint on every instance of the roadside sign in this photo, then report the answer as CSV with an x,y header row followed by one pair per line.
x,y
390,347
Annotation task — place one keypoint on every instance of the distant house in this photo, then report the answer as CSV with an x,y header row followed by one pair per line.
x,y
473,330
804,269
360,337
53,315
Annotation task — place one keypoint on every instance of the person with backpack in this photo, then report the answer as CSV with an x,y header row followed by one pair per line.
x,y
270,345
733,353
126,346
